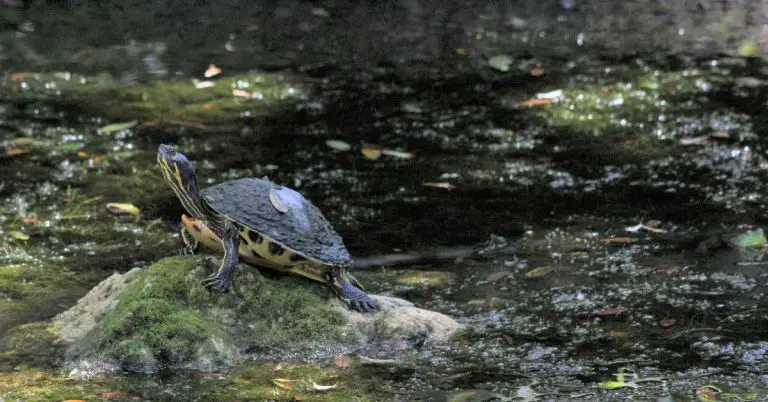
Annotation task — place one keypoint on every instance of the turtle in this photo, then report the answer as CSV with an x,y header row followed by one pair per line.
x,y
261,223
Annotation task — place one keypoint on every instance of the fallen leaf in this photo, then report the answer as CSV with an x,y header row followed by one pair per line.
x,y
720,134
212,71
537,72
338,145
700,140
667,322
343,361
277,202
279,366
18,235
371,153
32,220
616,240
609,311
318,387
553,95
118,208
653,223
500,62
241,93
205,84
15,152
21,76
111,128
539,272
536,102
298,398
111,394
397,154
82,154
97,160
284,383
447,186
24,141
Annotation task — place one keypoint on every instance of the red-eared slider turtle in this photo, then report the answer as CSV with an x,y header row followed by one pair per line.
x,y
267,224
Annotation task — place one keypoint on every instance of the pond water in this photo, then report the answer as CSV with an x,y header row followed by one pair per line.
x,y
525,187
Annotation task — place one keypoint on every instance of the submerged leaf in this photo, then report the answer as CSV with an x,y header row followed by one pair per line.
x,y
284,383
338,145
119,208
319,387
539,272
444,185
111,128
397,154
19,235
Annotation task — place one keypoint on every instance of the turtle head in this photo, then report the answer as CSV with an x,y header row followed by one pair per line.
x,y
180,174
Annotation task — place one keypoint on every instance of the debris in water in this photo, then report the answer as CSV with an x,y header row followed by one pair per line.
x,y
19,235
616,240
212,71
343,361
111,128
338,145
205,84
319,387
284,383
667,322
118,208
241,93
444,185
537,72
397,154
371,153
539,272
500,62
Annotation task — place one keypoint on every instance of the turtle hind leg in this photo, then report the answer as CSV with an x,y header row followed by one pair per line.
x,y
223,278
348,290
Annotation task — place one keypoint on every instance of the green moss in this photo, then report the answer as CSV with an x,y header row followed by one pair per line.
x,y
167,311
29,345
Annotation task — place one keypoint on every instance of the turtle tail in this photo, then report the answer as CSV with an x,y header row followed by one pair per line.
x,y
351,292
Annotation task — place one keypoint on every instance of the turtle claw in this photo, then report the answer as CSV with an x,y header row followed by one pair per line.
x,y
367,305
354,296
213,282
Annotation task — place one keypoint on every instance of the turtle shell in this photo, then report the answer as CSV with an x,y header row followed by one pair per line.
x,y
302,228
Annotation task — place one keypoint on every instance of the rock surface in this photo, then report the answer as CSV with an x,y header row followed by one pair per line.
x,y
160,317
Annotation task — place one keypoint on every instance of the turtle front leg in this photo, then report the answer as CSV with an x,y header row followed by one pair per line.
x,y
349,290
190,243
222,279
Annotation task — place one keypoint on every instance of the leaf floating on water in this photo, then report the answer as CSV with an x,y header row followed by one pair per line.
x,y
397,154
82,154
338,145
298,398
15,152
539,272
536,102
277,202
667,322
24,141
500,62
537,72
318,387
284,383
700,140
32,220
616,240
343,361
752,238
20,76
118,208
111,128
19,235
371,153
241,93
212,71
444,185
205,84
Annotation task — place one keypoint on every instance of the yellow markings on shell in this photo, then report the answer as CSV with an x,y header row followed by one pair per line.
x,y
308,268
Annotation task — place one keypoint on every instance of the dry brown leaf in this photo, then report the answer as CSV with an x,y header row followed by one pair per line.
x,y
119,208
19,76
343,361
667,322
539,272
112,394
298,398
241,93
700,140
536,102
205,84
654,223
318,387
32,220
284,383
97,160
444,185
82,154
24,141
208,106
616,240
371,153
212,71
609,311
537,72
720,134
15,152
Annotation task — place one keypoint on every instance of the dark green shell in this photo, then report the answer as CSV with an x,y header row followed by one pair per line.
x,y
303,228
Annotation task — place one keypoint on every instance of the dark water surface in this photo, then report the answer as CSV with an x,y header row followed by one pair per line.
x,y
558,296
